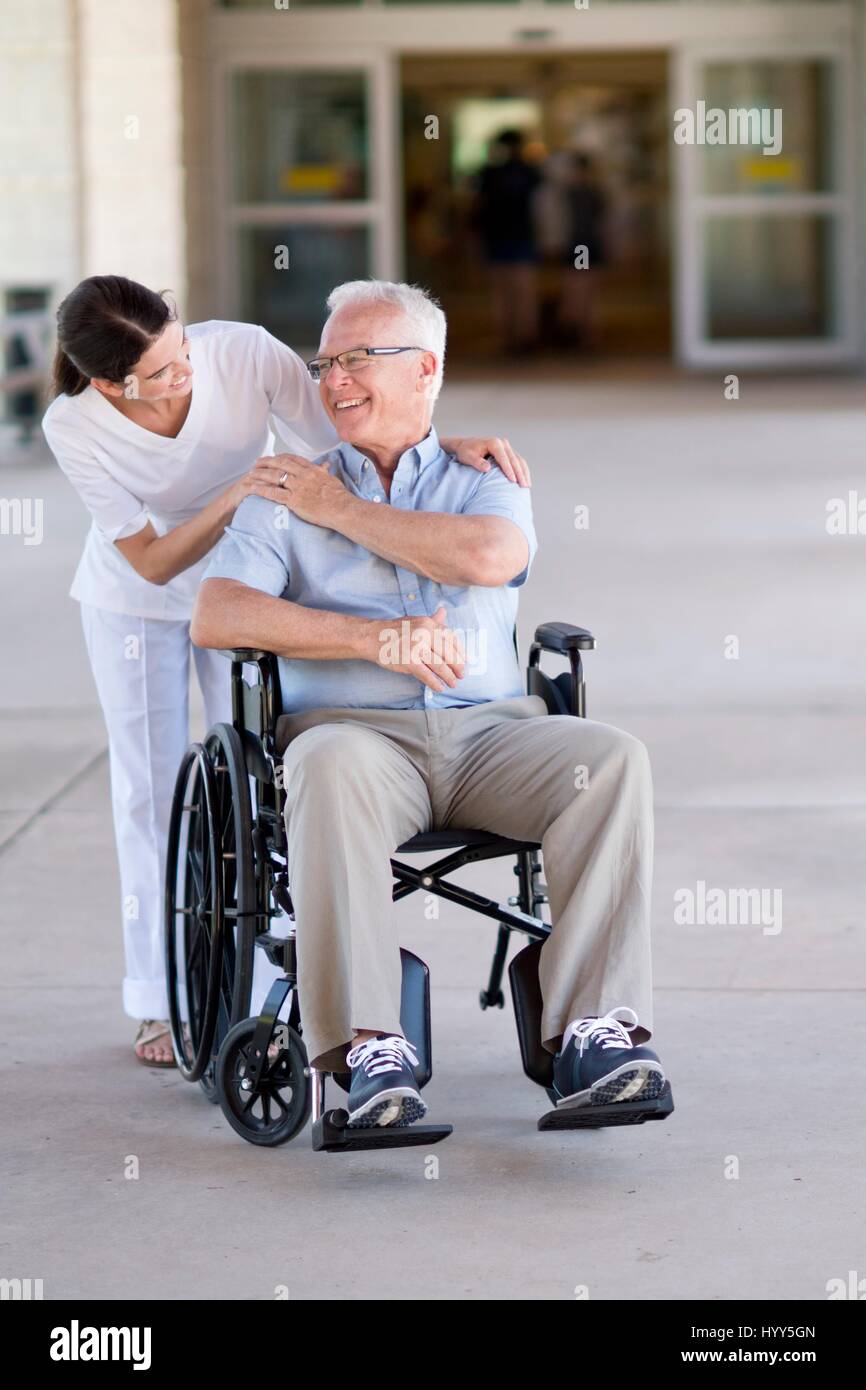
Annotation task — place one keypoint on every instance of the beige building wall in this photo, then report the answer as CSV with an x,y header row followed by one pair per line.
x,y
197,102
131,138
91,143
40,232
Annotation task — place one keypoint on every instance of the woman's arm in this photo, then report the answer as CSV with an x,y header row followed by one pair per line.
x,y
161,558
122,517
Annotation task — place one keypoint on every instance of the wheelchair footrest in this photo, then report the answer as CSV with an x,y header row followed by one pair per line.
x,y
332,1134
624,1112
280,950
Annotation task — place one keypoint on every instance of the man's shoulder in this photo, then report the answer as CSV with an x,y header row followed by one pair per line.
x,y
260,515
465,479
331,459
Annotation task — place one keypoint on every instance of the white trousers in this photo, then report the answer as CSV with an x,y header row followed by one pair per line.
x,y
141,669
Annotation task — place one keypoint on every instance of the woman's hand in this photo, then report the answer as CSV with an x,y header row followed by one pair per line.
x,y
478,452
309,490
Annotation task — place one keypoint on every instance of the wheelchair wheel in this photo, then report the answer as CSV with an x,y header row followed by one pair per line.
x,y
280,1106
234,823
210,922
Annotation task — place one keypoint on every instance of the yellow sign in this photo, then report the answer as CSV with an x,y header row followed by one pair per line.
x,y
310,178
772,167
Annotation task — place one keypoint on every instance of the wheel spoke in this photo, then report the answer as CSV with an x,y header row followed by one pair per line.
x,y
196,868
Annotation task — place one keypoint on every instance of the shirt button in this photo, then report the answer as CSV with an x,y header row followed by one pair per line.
x,y
377,499
411,597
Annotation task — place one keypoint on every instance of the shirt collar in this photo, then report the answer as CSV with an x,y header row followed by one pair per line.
x,y
424,452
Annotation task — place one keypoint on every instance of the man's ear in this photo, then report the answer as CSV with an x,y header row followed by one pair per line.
x,y
108,388
427,374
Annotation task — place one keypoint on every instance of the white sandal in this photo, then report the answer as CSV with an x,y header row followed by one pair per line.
x,y
151,1030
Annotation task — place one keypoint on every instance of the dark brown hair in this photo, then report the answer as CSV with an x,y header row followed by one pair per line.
x,y
103,327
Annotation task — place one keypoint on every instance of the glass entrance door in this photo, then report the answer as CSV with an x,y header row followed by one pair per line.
x,y
766,240
308,158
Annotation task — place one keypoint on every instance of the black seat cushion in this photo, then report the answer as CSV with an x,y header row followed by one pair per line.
x,y
435,840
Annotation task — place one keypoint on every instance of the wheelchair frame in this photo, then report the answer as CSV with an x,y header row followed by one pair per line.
x,y
228,1053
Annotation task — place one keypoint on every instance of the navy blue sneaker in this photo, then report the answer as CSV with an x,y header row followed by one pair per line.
x,y
599,1063
383,1089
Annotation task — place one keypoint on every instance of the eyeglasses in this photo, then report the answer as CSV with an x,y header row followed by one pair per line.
x,y
354,359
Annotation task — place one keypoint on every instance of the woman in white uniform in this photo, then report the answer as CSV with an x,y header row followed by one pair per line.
x,y
159,428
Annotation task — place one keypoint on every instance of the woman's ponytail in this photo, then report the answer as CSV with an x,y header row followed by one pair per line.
x,y
66,379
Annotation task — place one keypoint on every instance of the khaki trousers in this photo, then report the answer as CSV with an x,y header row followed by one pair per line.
x,y
360,782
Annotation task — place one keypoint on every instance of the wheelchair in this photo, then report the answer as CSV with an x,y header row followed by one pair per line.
x,y
227,879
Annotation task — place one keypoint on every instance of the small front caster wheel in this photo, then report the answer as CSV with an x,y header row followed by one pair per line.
x,y
491,1001
279,1107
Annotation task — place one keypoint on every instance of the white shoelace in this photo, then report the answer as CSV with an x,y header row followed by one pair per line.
x,y
378,1055
607,1031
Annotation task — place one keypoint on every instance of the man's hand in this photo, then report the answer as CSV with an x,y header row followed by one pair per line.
x,y
421,647
477,453
309,490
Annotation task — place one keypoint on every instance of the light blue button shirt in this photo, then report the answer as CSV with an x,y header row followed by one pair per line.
x,y
269,548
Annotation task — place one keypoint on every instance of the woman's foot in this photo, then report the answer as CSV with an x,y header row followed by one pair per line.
x,y
153,1043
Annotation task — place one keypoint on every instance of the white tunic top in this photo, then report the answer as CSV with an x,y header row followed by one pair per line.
x,y
127,475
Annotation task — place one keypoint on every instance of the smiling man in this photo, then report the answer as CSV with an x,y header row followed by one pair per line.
x,y
382,739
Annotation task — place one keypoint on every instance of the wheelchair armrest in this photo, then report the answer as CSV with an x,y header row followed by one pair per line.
x,y
255,708
564,638
243,653
566,693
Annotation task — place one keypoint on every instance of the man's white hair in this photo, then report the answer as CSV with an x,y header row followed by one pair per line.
x,y
422,313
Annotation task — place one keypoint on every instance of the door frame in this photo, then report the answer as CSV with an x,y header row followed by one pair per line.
x,y
370,35
693,208
376,212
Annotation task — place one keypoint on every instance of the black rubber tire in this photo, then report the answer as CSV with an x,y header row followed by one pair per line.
x,y
253,1118
207,1083
233,814
193,896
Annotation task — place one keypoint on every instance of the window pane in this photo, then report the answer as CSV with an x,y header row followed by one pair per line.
x,y
291,302
802,91
769,277
299,136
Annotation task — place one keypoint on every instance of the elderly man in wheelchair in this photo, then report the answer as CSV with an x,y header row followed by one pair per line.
x,y
386,587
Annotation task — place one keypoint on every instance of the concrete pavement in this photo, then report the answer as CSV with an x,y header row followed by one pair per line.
x,y
706,523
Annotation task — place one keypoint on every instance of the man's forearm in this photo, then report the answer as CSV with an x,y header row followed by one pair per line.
x,y
231,614
448,549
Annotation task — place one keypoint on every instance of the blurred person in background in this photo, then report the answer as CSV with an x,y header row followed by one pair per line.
x,y
505,218
160,429
586,208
